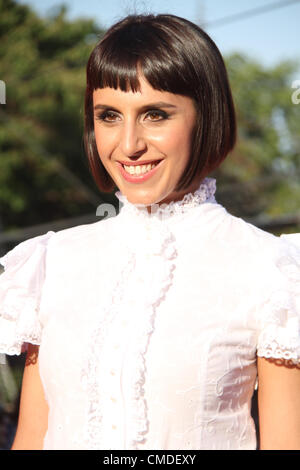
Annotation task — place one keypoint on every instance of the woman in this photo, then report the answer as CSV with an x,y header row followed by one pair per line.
x,y
155,325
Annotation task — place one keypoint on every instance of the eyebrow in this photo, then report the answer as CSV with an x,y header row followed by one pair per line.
x,y
158,104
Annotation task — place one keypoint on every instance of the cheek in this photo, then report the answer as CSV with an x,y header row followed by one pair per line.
x,y
104,142
98,137
169,138
178,140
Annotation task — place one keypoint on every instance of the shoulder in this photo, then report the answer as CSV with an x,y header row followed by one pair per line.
x,y
238,231
85,231
247,253
25,269
269,268
244,237
82,238
267,249
39,246
228,237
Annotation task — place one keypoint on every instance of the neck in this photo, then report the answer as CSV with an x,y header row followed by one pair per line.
x,y
174,204
175,196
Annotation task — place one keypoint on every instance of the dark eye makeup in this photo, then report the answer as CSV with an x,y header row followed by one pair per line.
x,y
110,116
158,113
107,116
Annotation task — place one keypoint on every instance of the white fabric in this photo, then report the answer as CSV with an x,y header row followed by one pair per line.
x,y
149,325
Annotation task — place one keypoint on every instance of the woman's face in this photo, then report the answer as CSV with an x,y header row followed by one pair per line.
x,y
144,128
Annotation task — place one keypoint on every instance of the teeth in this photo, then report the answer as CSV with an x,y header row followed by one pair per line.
x,y
139,169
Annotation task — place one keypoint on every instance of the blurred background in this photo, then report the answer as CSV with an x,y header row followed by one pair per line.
x,y
45,183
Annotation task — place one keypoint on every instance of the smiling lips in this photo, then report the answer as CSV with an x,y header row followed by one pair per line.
x,y
135,172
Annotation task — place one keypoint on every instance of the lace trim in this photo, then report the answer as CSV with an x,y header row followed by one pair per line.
x,y
17,329
20,289
204,193
91,376
139,311
162,263
279,343
280,335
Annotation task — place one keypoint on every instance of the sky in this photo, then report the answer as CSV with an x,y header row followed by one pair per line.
x,y
269,37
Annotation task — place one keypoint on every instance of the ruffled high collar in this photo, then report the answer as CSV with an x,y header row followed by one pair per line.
x,y
204,193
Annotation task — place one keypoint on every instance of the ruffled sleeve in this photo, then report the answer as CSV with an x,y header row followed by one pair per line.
x,y
279,335
20,292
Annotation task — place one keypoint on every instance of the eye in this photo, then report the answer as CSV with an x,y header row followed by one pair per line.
x,y
107,116
157,115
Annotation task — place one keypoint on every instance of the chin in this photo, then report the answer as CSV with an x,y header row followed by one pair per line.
x,y
147,201
140,197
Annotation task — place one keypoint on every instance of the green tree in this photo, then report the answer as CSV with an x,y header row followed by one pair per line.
x,y
261,176
44,174
43,169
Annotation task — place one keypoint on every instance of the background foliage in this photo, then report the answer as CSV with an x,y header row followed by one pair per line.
x,y
43,170
42,62
264,168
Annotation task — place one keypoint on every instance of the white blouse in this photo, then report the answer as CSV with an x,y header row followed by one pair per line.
x,y
149,325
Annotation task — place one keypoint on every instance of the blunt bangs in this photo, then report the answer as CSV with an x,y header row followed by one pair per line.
x,y
143,47
175,56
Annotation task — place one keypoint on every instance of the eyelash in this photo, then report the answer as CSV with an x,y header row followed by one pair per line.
x,y
102,116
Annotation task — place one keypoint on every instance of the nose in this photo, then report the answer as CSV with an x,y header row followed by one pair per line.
x,y
132,139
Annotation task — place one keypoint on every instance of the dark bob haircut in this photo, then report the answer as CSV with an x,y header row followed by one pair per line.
x,y
176,56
